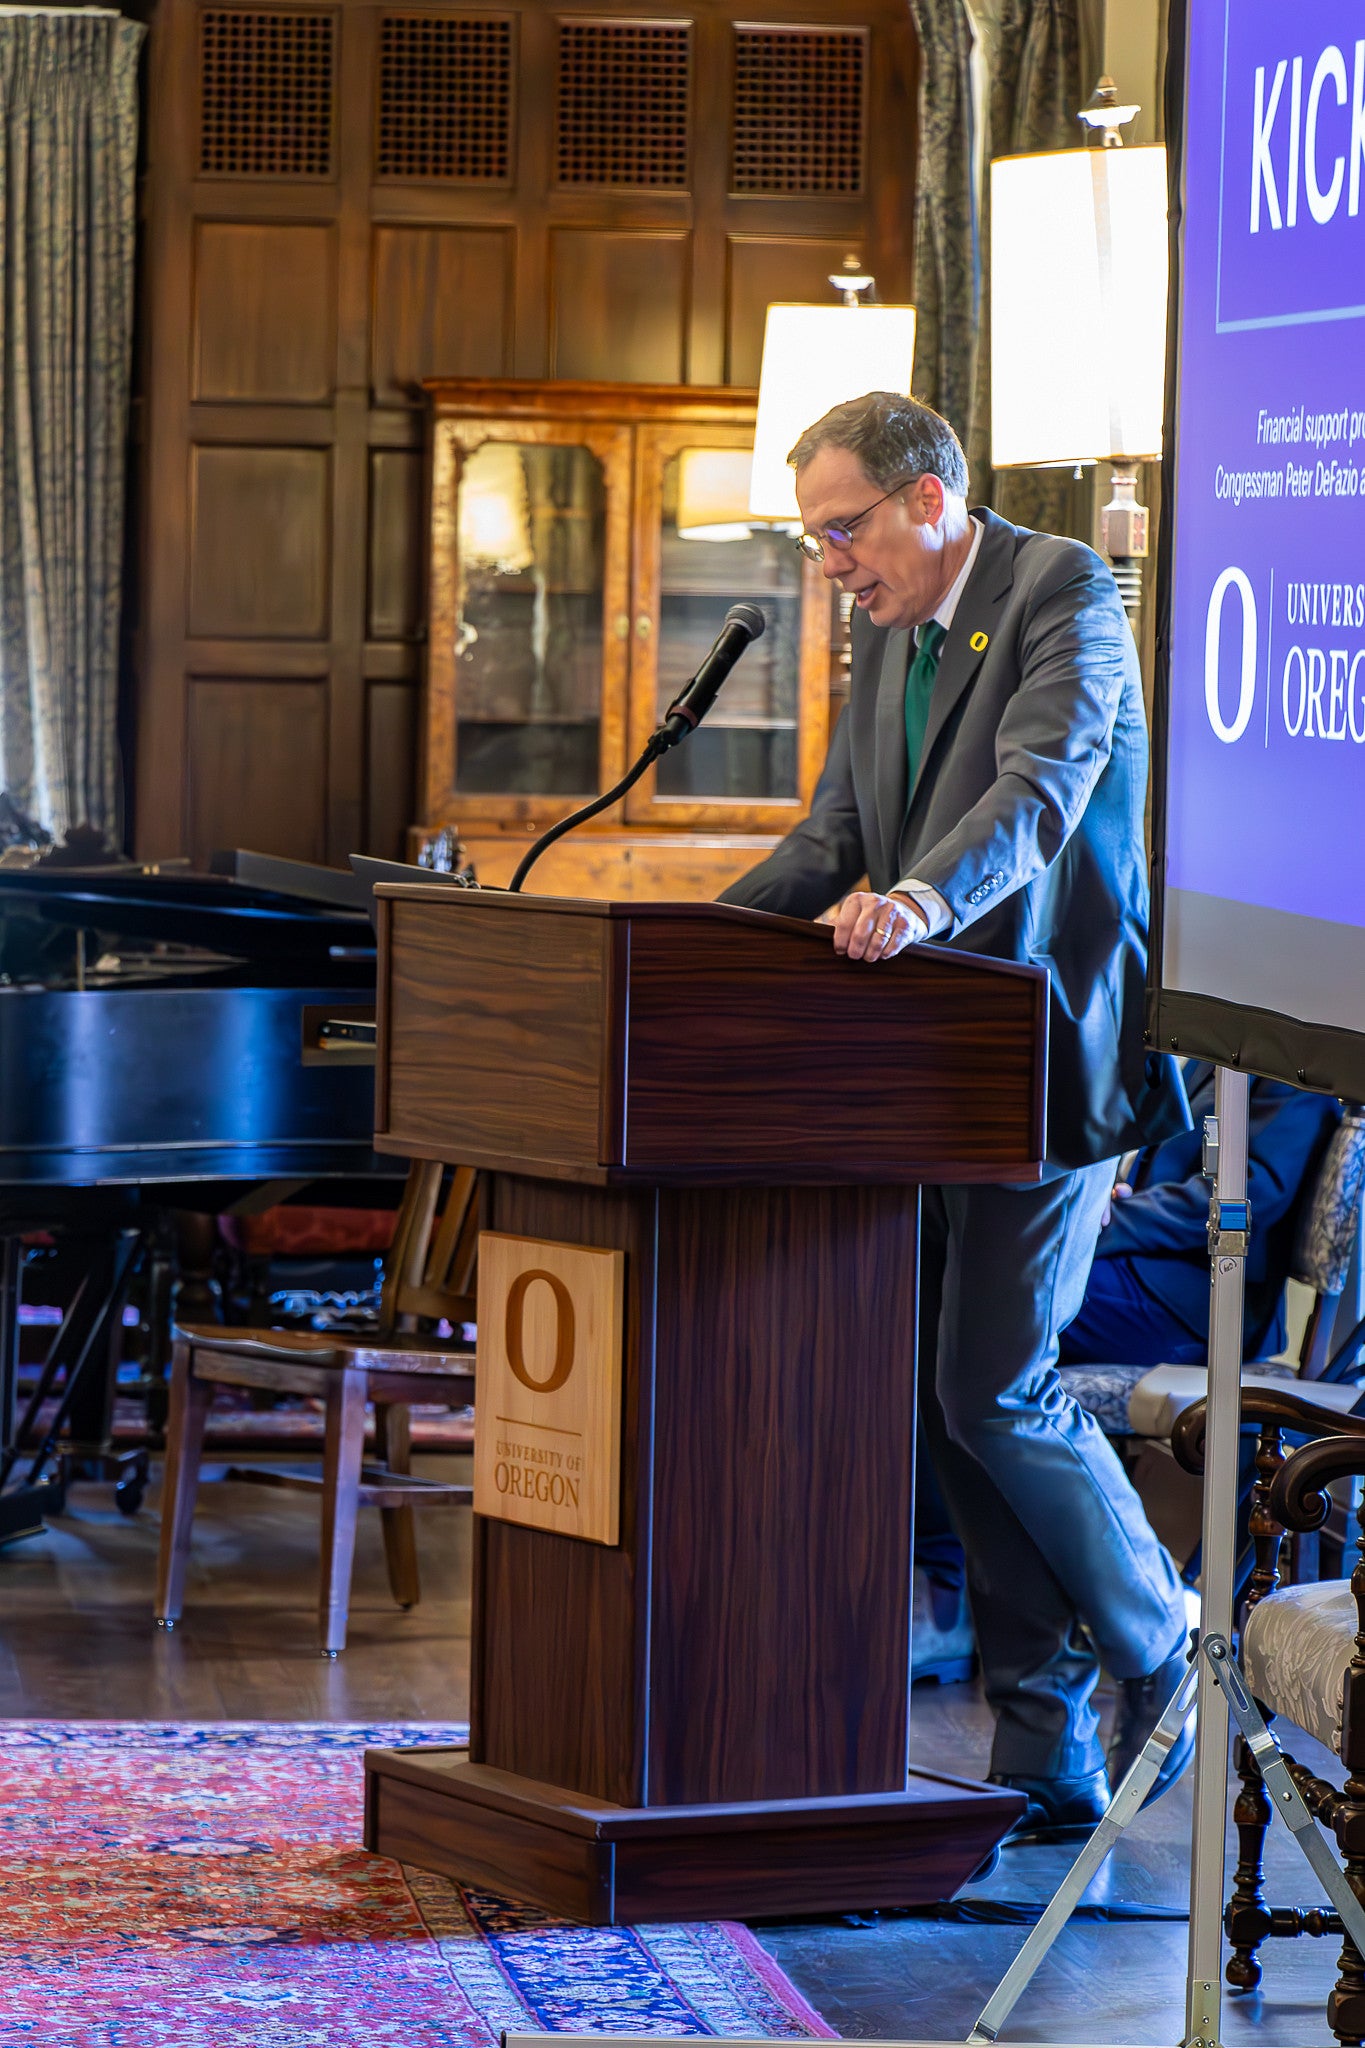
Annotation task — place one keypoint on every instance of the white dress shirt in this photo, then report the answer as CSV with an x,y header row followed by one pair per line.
x,y
938,918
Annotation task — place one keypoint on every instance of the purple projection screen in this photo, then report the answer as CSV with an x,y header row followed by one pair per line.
x,y
1260,911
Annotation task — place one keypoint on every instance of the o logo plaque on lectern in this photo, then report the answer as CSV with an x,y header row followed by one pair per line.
x,y
514,1330
547,1437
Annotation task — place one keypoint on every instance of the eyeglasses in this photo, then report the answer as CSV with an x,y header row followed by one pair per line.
x,y
812,545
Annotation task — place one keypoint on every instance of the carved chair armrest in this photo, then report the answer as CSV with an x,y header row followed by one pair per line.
x,y
1279,1409
1298,1496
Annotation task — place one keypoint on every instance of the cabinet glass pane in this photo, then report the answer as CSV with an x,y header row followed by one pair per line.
x,y
528,643
746,749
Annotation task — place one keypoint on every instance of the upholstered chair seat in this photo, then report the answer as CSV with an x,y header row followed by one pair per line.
x,y
1147,1400
1295,1650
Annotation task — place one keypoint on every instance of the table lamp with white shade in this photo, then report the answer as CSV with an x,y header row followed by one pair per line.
x,y
1078,317
713,494
815,357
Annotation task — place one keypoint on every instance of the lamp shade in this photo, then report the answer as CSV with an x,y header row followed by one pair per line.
x,y
815,357
1078,306
713,494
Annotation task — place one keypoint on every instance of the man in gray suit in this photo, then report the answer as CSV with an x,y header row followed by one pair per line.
x,y
985,788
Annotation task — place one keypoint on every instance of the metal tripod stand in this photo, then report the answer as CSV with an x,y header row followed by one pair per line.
x,y
1127,1803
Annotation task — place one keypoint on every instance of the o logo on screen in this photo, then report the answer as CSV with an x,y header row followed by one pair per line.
x,y
1213,639
514,1326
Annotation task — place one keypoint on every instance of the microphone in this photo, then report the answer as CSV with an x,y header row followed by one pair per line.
x,y
743,623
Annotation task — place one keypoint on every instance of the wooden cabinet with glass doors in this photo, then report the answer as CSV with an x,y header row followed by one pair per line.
x,y
586,541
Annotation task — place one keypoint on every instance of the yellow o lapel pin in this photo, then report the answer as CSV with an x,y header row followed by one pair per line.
x,y
979,642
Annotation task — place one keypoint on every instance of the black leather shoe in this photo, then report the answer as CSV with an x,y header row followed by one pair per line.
x,y
1140,1705
1059,1809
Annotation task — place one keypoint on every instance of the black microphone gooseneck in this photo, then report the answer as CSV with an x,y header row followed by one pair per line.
x,y
743,623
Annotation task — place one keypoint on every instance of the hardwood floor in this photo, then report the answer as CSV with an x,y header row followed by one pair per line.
x,y
901,1979
77,1642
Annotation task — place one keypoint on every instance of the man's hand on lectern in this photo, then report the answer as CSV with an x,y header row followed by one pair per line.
x,y
872,927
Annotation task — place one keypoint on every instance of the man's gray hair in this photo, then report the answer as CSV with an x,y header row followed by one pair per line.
x,y
893,437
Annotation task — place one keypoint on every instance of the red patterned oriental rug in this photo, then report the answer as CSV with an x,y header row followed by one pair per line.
x,y
201,1887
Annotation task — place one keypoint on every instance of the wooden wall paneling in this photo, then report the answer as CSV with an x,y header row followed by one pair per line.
x,y
395,609
446,97
390,661
300,273
347,708
257,660
893,131
395,544
267,106
535,141
442,307
800,108
259,536
712,85
618,305
623,103
249,425
256,767
264,311
391,768
764,268
159,786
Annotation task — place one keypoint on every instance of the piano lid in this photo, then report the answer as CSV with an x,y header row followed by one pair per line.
x,y
257,909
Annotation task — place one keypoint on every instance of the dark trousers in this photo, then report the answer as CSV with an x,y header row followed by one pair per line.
x,y
1061,1560
1121,1322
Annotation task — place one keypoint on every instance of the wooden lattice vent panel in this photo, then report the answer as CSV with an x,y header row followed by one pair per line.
x,y
799,110
623,102
445,97
266,81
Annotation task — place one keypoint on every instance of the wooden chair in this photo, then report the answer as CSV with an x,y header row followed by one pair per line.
x,y
428,1278
1303,1651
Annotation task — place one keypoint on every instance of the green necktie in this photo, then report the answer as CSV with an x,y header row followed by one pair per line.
x,y
919,688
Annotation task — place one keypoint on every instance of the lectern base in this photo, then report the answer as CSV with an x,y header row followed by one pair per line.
x,y
587,1860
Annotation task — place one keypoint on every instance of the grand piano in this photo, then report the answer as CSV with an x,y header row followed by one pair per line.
x,y
170,1040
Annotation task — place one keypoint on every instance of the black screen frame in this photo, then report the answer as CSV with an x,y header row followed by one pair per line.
x,y
1325,1058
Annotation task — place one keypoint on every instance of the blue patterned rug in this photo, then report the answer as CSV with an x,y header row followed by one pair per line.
x,y
190,1886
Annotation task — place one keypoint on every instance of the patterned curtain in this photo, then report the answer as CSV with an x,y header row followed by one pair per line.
x,y
68,141
947,238
997,78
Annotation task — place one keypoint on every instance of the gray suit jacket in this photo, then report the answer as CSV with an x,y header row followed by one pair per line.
x,y
1027,817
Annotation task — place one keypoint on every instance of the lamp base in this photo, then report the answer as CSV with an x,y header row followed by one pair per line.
x,y
1123,534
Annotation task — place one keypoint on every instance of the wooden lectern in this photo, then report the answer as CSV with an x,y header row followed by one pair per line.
x,y
709,1715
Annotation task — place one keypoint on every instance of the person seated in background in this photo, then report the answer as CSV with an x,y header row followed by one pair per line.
x,y
1147,1299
